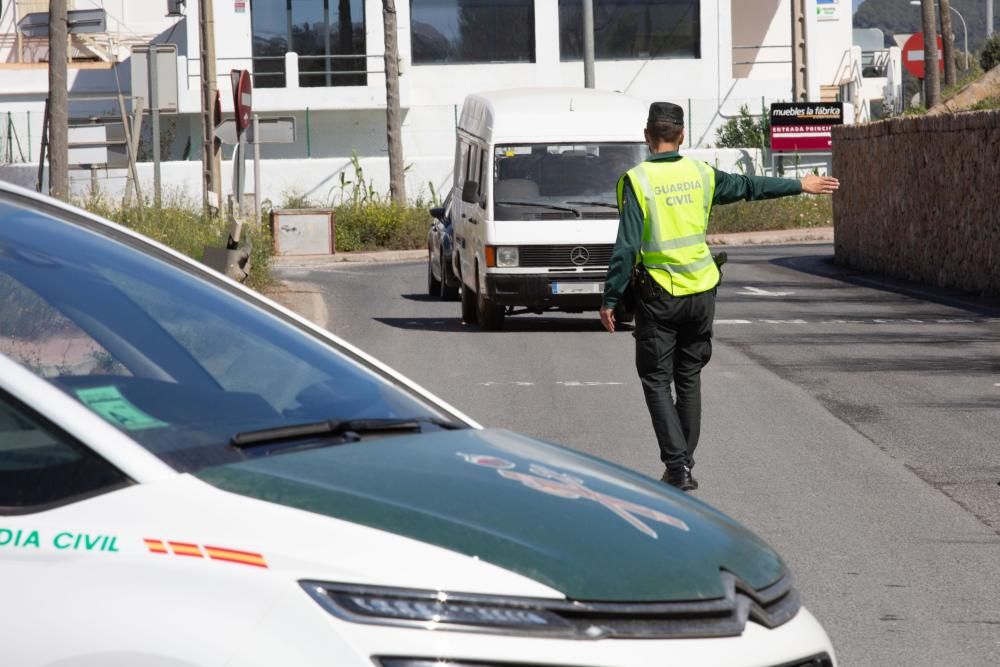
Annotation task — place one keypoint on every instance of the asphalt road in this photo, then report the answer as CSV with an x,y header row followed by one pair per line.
x,y
852,422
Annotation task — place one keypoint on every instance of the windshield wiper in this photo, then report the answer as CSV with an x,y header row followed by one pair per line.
x,y
334,427
539,205
594,203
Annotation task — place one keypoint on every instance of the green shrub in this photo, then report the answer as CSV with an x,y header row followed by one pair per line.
x,y
990,55
380,224
800,212
746,131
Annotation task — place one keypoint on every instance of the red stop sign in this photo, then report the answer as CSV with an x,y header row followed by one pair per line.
x,y
913,55
242,98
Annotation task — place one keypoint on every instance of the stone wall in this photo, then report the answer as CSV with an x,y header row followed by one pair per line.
x,y
920,199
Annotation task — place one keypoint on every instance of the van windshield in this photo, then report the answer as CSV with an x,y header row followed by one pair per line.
x,y
560,181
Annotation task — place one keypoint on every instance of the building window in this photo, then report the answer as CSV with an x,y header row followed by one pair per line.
x,y
472,31
633,29
327,35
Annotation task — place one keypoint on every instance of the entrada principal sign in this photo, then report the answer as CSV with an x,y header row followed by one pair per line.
x,y
804,126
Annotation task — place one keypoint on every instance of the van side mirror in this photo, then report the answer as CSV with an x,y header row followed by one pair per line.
x,y
437,212
470,192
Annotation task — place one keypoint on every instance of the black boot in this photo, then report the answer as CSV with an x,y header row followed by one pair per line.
x,y
680,478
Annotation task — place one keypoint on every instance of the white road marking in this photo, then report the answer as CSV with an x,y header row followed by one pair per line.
x,y
574,383
872,320
756,291
564,383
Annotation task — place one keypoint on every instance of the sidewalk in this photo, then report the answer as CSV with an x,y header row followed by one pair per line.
x,y
815,235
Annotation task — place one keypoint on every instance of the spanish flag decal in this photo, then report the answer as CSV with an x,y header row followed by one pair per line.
x,y
233,556
185,549
204,551
156,546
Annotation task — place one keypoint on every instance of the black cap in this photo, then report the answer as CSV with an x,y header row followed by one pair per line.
x,y
665,112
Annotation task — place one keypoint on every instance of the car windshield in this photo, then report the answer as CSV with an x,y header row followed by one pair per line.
x,y
172,359
560,181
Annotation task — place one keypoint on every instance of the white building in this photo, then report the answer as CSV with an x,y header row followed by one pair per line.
x,y
321,61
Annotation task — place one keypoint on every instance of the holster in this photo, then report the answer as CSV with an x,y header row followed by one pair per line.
x,y
646,287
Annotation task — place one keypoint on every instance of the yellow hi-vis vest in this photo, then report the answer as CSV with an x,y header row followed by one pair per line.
x,y
676,201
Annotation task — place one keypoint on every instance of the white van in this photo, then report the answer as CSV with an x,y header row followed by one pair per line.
x,y
535,211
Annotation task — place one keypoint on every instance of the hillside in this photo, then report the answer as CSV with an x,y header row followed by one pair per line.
x,y
899,16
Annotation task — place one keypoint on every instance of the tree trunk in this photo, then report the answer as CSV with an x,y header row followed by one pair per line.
x,y
948,37
932,77
397,181
58,101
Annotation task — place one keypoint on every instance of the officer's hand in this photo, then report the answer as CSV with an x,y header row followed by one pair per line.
x,y
819,185
608,318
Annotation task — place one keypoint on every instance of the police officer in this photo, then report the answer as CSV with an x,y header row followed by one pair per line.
x,y
664,205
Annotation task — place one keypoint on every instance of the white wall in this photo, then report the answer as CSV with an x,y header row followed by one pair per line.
x,y
765,24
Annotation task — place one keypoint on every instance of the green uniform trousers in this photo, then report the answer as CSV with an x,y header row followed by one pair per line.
x,y
673,342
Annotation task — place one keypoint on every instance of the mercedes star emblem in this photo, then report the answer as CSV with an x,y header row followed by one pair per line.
x,y
579,255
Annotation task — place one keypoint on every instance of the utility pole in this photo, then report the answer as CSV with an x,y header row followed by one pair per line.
x,y
588,43
800,79
211,191
932,77
948,39
989,18
58,140
393,120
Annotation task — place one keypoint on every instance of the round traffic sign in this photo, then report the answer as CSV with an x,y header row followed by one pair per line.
x,y
242,98
913,55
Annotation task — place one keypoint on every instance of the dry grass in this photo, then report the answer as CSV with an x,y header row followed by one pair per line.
x,y
180,223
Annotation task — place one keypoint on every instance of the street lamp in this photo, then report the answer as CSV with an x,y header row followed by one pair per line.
x,y
965,30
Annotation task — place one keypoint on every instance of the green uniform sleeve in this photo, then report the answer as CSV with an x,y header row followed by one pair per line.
x,y
626,249
731,188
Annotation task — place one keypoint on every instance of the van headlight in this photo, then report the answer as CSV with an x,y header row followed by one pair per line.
x,y
433,610
507,257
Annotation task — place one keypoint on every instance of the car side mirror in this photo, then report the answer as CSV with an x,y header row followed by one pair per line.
x,y
438,213
470,192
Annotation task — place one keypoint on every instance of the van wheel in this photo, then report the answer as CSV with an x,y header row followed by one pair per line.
x,y
433,285
490,314
469,313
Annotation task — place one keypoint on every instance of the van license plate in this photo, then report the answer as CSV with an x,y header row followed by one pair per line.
x,y
577,288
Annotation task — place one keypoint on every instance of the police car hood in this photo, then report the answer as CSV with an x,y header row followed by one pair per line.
x,y
587,528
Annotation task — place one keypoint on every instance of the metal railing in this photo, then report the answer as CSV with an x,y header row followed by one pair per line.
x,y
763,62
875,64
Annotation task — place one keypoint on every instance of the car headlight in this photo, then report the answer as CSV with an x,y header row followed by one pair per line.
x,y
507,257
432,610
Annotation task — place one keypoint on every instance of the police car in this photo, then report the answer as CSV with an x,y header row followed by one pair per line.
x,y
191,475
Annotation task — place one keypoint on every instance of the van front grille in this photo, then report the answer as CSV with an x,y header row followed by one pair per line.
x,y
564,255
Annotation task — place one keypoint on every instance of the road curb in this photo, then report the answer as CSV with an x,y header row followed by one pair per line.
x,y
777,237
